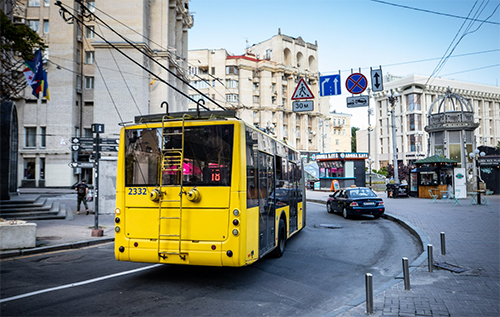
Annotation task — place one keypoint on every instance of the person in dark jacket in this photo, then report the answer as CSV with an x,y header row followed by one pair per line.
x,y
82,190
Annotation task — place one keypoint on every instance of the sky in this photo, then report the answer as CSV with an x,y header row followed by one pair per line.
x,y
353,34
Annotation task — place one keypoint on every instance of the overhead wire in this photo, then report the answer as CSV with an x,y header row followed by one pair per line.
x,y
178,57
433,12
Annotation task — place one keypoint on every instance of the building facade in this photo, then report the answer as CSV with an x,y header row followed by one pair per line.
x,y
411,114
93,81
259,85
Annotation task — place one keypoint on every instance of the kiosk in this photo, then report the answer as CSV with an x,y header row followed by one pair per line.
x,y
434,175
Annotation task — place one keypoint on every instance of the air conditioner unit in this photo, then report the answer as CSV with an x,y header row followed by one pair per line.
x,y
79,38
79,90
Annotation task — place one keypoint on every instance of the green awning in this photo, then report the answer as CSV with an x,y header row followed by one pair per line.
x,y
435,159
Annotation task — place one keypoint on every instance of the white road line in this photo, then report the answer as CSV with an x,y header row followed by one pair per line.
x,y
78,283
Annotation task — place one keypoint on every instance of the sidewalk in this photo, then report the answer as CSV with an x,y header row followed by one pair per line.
x,y
472,243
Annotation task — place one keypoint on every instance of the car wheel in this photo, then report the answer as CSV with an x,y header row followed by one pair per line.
x,y
344,213
280,248
329,208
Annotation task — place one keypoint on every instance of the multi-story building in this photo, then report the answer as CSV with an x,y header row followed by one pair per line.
x,y
411,112
90,81
259,85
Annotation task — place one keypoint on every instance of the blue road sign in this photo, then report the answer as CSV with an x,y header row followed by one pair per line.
x,y
329,85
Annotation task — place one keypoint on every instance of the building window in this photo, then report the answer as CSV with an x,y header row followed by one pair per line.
x,y
255,86
231,70
78,83
256,99
89,57
414,122
230,83
43,133
89,32
231,97
42,168
193,70
413,102
213,70
46,26
30,137
34,25
33,3
89,82
337,141
88,103
46,3
29,168
273,100
78,56
268,54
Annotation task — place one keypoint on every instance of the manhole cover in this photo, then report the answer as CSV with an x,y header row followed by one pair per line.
x,y
48,238
328,226
449,267
63,258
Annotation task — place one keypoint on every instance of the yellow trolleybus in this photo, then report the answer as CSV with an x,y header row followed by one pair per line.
x,y
204,188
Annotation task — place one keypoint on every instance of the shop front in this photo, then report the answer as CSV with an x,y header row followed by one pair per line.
x,y
433,176
346,168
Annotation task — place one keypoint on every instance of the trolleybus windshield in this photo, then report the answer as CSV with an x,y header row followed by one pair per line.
x,y
207,151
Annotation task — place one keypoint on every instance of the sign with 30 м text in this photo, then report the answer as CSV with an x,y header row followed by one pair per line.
x,y
299,106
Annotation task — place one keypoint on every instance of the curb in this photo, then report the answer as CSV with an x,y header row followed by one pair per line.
x,y
416,232
66,246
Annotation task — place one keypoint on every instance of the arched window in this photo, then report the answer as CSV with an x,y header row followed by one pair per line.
x,y
313,65
287,56
300,60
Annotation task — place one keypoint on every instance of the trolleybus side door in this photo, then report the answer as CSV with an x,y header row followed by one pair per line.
x,y
266,202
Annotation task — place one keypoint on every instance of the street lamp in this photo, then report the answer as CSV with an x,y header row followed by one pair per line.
x,y
475,156
393,97
370,162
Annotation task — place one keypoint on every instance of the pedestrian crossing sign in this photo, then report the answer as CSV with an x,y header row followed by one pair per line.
x,y
302,91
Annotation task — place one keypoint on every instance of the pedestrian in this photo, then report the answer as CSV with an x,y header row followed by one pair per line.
x,y
82,190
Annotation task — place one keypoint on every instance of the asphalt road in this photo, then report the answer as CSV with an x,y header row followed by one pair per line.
x,y
322,269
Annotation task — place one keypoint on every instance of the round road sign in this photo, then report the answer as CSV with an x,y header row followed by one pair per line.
x,y
356,83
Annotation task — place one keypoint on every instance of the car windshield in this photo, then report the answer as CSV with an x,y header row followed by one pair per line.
x,y
361,193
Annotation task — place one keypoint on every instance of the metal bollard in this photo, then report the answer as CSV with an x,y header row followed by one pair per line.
x,y
406,274
443,244
369,293
430,257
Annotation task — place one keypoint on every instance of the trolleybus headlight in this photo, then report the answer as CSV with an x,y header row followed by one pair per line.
x,y
236,212
229,253
121,249
117,229
236,222
136,244
117,211
117,219
236,232
213,247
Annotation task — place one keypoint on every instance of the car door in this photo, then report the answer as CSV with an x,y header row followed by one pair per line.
x,y
339,200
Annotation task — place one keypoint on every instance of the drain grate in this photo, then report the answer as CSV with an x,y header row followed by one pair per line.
x,y
450,267
328,226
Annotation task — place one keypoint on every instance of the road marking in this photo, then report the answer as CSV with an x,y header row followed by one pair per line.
x,y
98,279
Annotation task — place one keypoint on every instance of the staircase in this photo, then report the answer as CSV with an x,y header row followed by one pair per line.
x,y
32,207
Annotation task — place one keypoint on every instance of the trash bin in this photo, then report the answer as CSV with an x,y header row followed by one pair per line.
x,y
403,190
390,190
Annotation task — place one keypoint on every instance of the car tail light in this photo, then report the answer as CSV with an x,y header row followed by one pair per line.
x,y
354,204
380,203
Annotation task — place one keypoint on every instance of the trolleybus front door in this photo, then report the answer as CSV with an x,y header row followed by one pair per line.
x,y
266,202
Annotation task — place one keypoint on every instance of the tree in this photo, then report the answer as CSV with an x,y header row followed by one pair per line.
x,y
403,172
353,139
17,44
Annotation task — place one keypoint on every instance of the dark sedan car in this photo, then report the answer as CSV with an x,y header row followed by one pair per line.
x,y
355,201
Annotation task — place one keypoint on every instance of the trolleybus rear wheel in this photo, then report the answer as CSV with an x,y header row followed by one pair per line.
x,y
280,248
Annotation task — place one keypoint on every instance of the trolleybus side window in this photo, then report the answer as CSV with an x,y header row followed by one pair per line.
x,y
208,152
251,156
